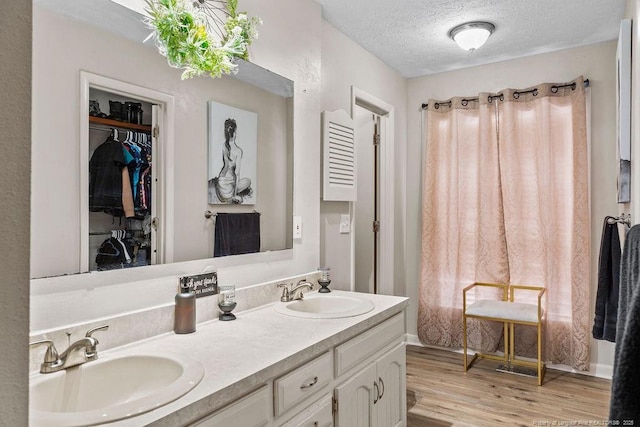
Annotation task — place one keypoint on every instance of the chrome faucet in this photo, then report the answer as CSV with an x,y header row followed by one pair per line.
x,y
294,292
82,351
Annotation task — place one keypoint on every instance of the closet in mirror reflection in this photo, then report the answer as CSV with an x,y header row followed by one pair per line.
x,y
122,225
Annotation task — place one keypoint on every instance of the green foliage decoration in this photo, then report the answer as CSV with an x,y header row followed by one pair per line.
x,y
180,30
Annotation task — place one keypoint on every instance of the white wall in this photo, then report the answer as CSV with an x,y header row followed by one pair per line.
x,y
289,45
595,62
15,161
346,64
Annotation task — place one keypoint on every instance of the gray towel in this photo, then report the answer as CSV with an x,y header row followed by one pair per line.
x,y
606,316
625,384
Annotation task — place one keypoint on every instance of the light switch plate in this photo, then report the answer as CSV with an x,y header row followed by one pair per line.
x,y
345,224
297,227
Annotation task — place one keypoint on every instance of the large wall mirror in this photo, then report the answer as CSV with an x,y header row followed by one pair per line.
x,y
104,40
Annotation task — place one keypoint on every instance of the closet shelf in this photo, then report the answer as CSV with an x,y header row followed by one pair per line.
x,y
119,124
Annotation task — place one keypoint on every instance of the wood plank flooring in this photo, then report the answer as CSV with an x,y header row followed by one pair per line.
x,y
439,394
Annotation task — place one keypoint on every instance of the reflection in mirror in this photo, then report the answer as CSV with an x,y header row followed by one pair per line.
x,y
105,39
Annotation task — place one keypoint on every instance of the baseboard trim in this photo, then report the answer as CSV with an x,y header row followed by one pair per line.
x,y
595,369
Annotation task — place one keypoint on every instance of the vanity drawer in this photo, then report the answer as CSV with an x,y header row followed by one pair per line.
x,y
250,411
360,348
301,383
319,414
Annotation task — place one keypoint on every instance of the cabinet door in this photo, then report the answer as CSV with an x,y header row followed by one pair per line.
x,y
317,415
250,411
391,407
355,400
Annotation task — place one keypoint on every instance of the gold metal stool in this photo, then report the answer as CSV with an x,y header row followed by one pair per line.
x,y
509,313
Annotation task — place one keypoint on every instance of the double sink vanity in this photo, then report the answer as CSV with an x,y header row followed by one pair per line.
x,y
323,360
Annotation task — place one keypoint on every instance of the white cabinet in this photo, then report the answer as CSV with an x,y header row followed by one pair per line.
x,y
359,383
375,396
250,411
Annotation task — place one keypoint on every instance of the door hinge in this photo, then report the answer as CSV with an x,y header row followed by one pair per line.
x,y
376,139
376,226
334,406
156,131
154,223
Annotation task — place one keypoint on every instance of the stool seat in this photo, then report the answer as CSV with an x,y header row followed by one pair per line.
x,y
512,311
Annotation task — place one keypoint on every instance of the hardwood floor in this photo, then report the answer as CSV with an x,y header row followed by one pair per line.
x,y
439,394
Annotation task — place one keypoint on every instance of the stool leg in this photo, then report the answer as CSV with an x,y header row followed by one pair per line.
x,y
539,353
512,342
464,341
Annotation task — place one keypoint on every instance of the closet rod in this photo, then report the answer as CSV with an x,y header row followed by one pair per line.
x,y
554,89
95,233
121,129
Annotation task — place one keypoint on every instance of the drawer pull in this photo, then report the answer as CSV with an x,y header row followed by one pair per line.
x,y
311,384
381,385
376,393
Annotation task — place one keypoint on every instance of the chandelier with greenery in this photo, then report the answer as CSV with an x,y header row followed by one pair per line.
x,y
201,36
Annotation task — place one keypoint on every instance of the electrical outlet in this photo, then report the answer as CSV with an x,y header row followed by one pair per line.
x,y
297,227
345,224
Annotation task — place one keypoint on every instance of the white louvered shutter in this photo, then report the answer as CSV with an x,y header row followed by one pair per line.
x,y
339,159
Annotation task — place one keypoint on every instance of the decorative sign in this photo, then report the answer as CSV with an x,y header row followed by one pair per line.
x,y
203,284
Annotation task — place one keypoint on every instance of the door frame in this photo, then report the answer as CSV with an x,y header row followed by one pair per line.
x,y
163,164
386,260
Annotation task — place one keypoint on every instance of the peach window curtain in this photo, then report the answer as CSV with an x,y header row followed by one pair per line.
x,y
505,200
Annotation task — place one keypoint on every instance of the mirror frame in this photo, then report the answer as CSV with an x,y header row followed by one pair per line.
x,y
63,300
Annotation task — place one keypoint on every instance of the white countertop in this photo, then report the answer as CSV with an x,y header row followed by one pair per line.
x,y
241,355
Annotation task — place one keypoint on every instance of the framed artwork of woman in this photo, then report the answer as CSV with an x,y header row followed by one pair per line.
x,y
233,135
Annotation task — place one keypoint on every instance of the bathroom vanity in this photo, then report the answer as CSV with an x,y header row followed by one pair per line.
x,y
270,369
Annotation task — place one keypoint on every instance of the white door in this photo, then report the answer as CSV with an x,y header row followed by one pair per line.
x,y
365,208
355,400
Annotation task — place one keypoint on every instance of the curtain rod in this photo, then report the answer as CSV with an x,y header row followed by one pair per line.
x,y
465,101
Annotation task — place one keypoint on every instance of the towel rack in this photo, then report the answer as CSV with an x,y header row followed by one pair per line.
x,y
622,219
208,214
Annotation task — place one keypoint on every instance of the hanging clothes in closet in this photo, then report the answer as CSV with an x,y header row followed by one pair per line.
x,y
137,154
105,177
120,186
119,176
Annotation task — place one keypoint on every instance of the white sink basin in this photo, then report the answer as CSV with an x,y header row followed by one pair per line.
x,y
109,389
325,306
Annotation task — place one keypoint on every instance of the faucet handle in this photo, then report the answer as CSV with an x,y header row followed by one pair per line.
x,y
96,329
285,292
51,357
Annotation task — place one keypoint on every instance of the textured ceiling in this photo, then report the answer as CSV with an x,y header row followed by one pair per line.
x,y
411,36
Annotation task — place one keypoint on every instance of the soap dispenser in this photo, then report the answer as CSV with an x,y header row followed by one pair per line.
x,y
185,315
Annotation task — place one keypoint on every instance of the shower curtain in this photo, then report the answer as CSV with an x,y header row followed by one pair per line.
x,y
505,200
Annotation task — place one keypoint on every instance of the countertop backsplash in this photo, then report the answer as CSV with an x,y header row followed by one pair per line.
x,y
140,325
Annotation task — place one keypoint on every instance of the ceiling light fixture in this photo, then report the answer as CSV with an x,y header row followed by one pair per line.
x,y
471,35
